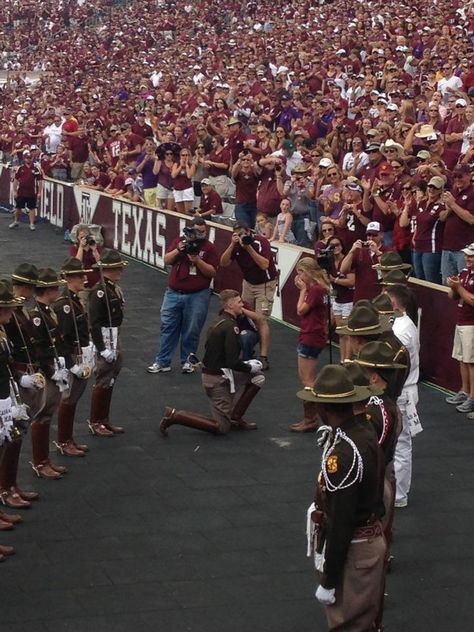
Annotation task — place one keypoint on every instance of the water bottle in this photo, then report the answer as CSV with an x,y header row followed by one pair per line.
x,y
67,235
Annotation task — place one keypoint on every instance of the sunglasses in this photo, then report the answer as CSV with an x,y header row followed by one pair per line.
x,y
327,230
406,188
459,176
200,146
168,153
333,175
432,186
460,106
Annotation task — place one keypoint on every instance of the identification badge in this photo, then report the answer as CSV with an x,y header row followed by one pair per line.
x,y
192,270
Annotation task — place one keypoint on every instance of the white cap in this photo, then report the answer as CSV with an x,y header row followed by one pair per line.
x,y
373,227
325,162
468,250
461,102
393,107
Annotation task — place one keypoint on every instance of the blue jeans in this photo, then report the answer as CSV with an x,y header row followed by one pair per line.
x,y
248,339
247,213
427,266
300,233
182,316
452,262
388,238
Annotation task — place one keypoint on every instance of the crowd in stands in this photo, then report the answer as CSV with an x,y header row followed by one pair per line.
x,y
294,112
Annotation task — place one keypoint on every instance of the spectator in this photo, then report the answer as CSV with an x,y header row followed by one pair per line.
x,y
361,258
26,190
210,203
162,168
282,231
145,164
182,173
343,291
300,191
186,300
245,173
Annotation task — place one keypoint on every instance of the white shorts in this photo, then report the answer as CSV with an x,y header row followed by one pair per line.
x,y
162,193
463,345
184,196
342,309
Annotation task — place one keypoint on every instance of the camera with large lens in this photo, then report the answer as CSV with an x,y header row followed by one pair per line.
x,y
192,239
325,258
91,241
246,240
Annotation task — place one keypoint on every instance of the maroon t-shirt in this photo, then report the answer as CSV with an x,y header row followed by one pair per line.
x,y
246,188
88,261
186,277
457,232
221,157
344,293
268,200
181,182
429,228
211,202
79,149
353,229
465,311
250,270
386,220
366,278
27,178
314,324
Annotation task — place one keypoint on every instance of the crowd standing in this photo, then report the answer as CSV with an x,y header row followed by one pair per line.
x,y
345,129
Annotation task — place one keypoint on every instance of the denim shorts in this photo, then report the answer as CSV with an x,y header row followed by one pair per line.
x,y
307,352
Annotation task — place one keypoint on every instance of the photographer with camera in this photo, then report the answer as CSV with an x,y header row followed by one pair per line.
x,y
254,257
194,261
361,259
88,251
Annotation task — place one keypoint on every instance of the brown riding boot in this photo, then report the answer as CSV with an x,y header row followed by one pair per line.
x,y
96,422
310,422
40,452
65,443
190,420
11,518
6,550
241,406
9,473
107,400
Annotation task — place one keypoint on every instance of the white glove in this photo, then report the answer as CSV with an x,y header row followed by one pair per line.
x,y
28,381
108,355
77,370
6,420
19,413
255,366
326,596
61,377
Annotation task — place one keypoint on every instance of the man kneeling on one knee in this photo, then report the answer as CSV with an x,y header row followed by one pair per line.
x,y
230,383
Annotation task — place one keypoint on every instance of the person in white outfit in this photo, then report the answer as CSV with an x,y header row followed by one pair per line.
x,y
406,331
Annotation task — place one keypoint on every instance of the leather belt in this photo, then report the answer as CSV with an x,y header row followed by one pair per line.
x,y
23,366
211,371
367,532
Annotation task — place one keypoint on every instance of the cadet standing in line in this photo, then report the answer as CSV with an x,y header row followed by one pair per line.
x,y
106,308
230,383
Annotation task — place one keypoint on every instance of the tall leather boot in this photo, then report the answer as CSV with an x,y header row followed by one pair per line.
x,y
40,451
190,420
65,443
8,495
8,476
107,401
241,406
310,421
96,422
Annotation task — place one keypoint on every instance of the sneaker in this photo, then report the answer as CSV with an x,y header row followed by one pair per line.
x,y
14,224
32,227
187,368
470,416
457,398
265,363
466,407
157,368
403,502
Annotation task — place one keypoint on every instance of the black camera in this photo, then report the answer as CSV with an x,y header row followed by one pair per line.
x,y
192,239
325,258
91,241
365,244
246,240
278,167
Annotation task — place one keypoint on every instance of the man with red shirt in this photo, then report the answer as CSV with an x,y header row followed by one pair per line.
x,y
211,201
380,199
352,221
254,257
462,290
459,217
141,127
26,190
186,300
361,258
79,147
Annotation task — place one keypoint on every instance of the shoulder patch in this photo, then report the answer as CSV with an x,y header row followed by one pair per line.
x,y
368,417
331,464
67,309
100,293
37,321
236,330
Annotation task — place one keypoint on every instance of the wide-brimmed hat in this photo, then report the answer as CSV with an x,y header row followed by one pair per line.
x,y
391,144
391,261
360,377
425,131
233,121
334,386
393,277
302,167
47,277
73,266
378,355
25,273
383,305
363,321
7,298
110,259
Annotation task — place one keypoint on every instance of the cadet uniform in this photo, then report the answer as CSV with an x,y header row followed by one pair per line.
x,y
74,327
228,381
19,331
106,310
343,530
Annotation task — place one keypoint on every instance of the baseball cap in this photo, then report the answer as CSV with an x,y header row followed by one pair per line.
x,y
468,250
423,154
373,147
393,107
128,181
205,182
288,145
461,102
385,167
437,182
462,168
325,162
373,227
354,186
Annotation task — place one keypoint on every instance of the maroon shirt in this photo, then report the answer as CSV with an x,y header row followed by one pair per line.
x,y
211,202
250,270
79,149
314,324
181,182
88,261
186,277
429,228
246,188
353,229
386,221
366,278
457,232
344,293
465,311
222,157
27,178
268,200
